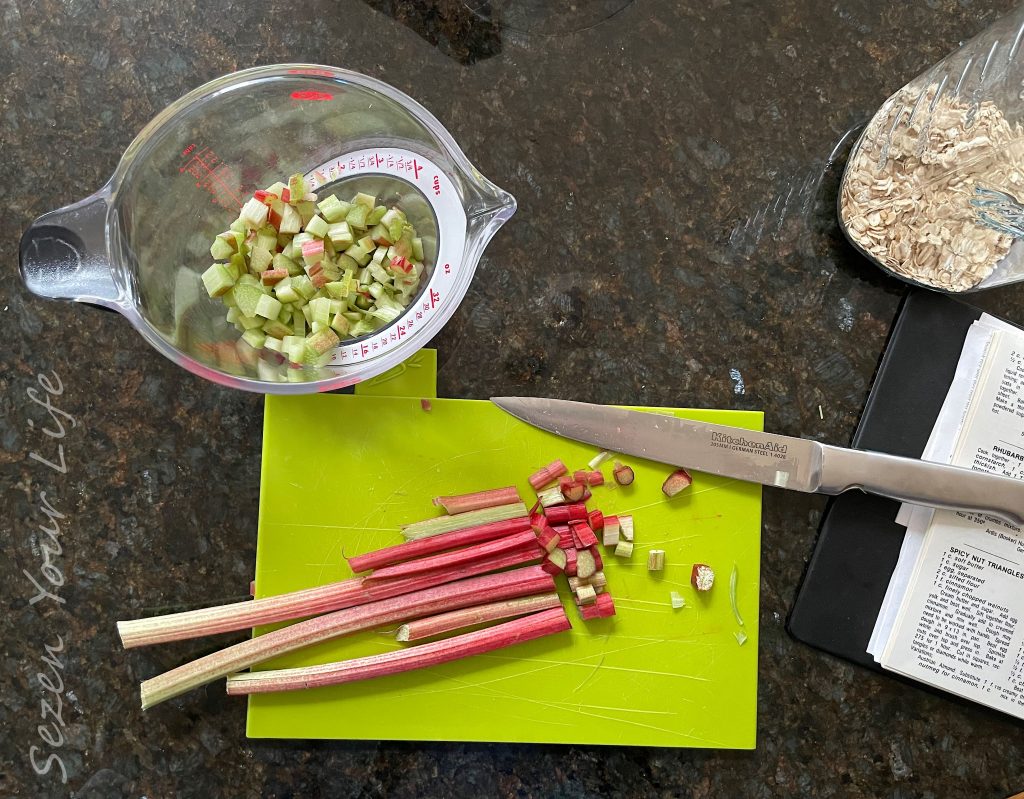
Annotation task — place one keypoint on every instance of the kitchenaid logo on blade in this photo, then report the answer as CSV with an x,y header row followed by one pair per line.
x,y
743,444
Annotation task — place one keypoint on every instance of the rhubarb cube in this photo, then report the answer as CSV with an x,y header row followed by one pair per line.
x,y
218,280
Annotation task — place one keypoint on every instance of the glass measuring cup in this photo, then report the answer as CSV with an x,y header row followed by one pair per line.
x,y
139,245
933,188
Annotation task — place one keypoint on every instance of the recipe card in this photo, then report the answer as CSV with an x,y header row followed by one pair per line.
x,y
958,623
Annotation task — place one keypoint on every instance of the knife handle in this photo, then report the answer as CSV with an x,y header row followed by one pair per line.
x,y
922,482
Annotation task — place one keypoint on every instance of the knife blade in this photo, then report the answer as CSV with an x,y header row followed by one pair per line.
x,y
770,459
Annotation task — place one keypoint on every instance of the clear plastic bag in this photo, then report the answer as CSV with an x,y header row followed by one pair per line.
x,y
934,187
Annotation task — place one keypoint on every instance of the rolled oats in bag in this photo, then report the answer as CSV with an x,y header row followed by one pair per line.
x,y
933,191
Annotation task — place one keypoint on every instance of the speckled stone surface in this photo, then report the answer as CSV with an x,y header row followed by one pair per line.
x,y
675,244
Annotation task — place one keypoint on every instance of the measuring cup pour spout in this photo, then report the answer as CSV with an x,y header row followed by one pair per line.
x,y
64,254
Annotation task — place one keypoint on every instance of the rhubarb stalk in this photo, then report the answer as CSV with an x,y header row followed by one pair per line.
x,y
470,617
447,524
526,539
423,656
300,604
437,543
238,615
490,588
463,503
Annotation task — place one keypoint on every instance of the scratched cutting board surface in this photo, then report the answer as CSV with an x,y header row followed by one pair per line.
x,y
341,472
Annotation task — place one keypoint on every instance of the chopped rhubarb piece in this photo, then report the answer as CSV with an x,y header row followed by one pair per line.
x,y
603,607
596,520
677,600
598,459
273,276
624,549
656,560
489,639
585,565
218,280
586,595
598,560
525,540
598,582
594,478
566,539
549,539
626,528
253,213
623,474
555,562
610,533
542,477
547,535
551,497
462,503
431,545
296,188
676,482
584,534
566,513
571,490
570,561
312,251
702,577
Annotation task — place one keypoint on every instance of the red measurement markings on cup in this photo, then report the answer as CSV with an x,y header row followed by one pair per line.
x,y
211,175
437,185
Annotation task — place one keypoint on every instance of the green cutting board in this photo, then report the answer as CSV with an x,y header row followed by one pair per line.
x,y
341,472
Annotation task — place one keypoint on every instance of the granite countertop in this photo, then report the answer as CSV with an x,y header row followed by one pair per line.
x,y
671,160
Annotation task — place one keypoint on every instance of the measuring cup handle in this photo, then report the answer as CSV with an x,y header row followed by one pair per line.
x,y
63,254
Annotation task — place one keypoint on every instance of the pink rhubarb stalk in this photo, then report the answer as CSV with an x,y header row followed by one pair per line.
x,y
480,614
526,539
463,503
300,604
417,657
489,588
239,615
437,543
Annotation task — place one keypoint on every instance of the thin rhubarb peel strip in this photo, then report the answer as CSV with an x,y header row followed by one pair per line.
x,y
489,588
470,617
480,642
399,553
238,615
464,503
525,539
447,524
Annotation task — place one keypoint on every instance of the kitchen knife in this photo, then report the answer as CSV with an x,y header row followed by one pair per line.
x,y
773,460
